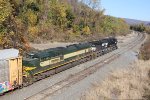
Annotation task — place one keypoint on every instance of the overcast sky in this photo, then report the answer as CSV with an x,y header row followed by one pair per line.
x,y
134,9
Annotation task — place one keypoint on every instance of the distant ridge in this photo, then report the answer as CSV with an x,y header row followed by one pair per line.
x,y
148,24
134,21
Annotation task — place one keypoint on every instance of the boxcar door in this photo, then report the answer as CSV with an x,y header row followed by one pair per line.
x,y
15,71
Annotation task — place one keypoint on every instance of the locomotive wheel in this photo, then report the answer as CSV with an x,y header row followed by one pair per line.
x,y
27,81
1,94
21,86
116,47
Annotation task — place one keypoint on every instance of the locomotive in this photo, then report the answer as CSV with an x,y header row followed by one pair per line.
x,y
41,64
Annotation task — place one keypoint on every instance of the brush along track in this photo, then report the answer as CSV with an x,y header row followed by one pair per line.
x,y
84,73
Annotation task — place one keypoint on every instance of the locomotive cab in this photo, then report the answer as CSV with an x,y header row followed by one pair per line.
x,y
30,62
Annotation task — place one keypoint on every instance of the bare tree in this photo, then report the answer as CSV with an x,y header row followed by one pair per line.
x,y
94,4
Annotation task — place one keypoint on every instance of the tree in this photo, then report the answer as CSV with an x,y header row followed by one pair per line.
x,y
5,10
31,17
86,30
140,27
58,13
70,17
112,25
94,4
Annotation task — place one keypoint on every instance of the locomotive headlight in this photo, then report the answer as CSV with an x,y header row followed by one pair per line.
x,y
103,44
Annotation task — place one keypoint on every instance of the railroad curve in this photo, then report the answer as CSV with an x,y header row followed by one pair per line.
x,y
75,78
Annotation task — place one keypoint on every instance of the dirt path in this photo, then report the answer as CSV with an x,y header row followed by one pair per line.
x,y
49,45
42,46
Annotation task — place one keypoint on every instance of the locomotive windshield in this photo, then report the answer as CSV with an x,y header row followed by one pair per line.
x,y
30,62
31,56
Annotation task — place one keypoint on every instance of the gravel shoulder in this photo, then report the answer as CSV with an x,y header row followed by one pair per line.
x,y
75,92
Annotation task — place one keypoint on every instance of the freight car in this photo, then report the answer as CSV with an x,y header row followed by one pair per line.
x,y
10,70
38,65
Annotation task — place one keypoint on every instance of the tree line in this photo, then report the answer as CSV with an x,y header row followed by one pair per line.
x,y
141,28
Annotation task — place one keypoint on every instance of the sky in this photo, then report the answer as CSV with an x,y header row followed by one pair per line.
x,y
134,9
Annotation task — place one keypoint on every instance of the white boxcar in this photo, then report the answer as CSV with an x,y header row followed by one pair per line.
x,y
10,70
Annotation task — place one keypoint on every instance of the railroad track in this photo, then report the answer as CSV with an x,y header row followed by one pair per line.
x,y
73,79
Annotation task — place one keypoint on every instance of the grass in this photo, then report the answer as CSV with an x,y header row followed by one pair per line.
x,y
132,83
145,50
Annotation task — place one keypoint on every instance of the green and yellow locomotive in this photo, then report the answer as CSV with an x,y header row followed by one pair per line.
x,y
44,63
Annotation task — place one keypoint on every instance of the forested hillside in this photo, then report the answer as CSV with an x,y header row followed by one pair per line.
x,y
23,21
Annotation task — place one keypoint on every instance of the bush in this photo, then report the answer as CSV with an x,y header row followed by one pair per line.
x,y
145,50
33,32
148,29
86,30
